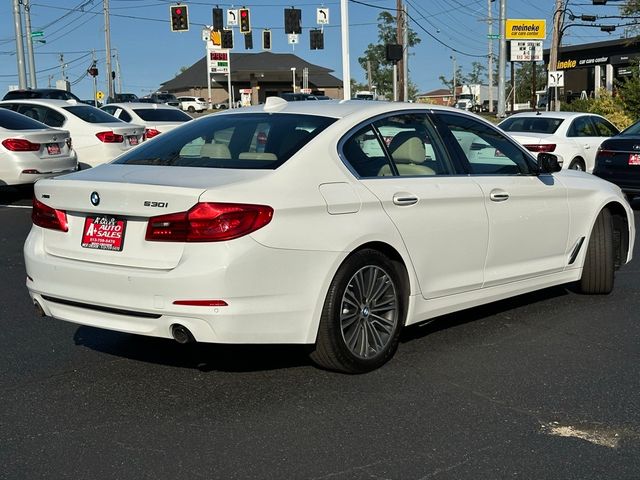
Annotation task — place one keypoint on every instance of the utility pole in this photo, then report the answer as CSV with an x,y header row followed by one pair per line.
x,y
400,41
405,55
344,28
107,41
369,75
502,60
17,22
558,16
33,82
453,57
118,72
490,22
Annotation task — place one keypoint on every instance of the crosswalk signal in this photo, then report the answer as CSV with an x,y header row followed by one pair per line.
x,y
179,18
292,20
217,20
245,22
316,38
227,39
266,39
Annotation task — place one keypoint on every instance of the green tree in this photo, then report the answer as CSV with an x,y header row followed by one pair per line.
x,y
629,93
524,80
477,73
375,54
460,79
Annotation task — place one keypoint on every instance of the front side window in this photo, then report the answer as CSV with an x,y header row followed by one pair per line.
x,y
42,114
91,114
238,141
485,149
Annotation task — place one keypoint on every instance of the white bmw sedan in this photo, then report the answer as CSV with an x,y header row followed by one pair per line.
x,y
573,136
97,136
333,224
155,117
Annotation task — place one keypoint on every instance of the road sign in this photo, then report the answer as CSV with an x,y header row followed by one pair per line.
x,y
37,34
494,36
526,29
293,38
99,95
322,16
232,18
555,79
526,50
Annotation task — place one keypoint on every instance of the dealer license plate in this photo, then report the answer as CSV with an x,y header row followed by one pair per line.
x,y
53,149
133,140
104,232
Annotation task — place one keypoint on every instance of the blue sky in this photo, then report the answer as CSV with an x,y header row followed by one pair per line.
x,y
149,53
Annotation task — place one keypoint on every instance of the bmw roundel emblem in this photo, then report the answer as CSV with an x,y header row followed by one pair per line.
x,y
95,199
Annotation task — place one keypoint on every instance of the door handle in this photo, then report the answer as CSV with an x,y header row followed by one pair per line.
x,y
404,199
587,147
499,196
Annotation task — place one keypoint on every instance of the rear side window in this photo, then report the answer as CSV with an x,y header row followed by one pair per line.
x,y
581,127
42,114
161,115
14,121
91,114
238,141
603,127
531,124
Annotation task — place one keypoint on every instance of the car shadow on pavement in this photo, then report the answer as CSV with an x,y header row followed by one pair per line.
x,y
205,357
10,195
470,315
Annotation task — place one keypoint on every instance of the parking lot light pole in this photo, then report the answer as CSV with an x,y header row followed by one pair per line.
x,y
344,27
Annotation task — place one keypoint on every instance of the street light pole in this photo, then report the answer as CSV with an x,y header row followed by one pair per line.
x,y
33,82
344,27
558,16
17,21
502,61
453,57
107,41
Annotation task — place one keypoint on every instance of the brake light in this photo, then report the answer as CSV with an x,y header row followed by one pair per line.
x,y
46,217
541,147
201,303
209,222
151,132
20,145
109,137
606,153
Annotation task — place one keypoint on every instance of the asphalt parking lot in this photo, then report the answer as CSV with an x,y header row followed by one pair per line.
x,y
545,385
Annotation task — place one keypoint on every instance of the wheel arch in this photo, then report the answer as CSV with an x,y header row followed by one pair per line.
x,y
620,232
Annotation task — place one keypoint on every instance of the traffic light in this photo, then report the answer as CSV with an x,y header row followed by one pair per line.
x,y
248,41
245,22
227,39
179,18
266,39
292,20
316,38
217,20
93,70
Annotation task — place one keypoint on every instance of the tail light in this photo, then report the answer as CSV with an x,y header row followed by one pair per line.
x,y
209,222
20,145
109,137
46,217
151,132
541,147
606,153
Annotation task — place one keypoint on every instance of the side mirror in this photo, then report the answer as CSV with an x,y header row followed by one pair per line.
x,y
548,163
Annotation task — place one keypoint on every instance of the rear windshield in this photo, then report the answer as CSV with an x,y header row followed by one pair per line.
x,y
632,130
531,124
161,115
15,121
54,94
92,114
166,97
239,141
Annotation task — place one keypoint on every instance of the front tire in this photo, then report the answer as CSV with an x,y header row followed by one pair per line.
x,y
599,264
362,315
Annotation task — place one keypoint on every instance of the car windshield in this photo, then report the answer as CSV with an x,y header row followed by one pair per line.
x,y
91,114
15,121
161,115
534,124
238,141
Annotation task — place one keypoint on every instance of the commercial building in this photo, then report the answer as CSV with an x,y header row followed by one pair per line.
x,y
258,75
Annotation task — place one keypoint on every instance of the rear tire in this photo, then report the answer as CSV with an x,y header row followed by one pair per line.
x,y
362,316
577,164
191,109
599,264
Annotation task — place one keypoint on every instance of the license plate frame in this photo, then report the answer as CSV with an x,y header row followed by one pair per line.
x,y
103,232
53,149
133,140
634,159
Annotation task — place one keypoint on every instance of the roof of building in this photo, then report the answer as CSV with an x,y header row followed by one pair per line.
x,y
440,92
276,65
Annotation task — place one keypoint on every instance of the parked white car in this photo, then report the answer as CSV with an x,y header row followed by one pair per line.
x,y
31,150
575,137
155,117
193,104
97,136
272,224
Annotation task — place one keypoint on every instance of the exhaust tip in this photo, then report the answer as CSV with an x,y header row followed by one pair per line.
x,y
181,334
39,309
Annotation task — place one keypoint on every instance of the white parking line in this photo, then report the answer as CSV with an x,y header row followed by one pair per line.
x,y
16,206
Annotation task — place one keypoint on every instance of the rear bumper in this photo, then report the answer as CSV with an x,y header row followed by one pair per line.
x,y
11,172
273,295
